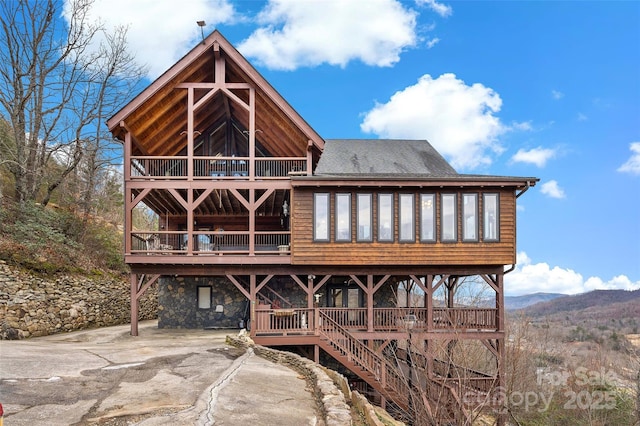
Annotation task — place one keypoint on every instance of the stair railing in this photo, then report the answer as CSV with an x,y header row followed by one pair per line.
x,y
364,357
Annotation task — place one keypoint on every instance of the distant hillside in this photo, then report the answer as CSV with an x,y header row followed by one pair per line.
x,y
613,303
519,302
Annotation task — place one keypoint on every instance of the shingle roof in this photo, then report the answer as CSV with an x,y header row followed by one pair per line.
x,y
382,157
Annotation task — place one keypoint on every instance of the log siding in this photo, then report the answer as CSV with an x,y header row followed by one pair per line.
x,y
306,251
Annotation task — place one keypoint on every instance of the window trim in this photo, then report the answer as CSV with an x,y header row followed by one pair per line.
x,y
485,211
391,218
347,195
201,297
327,198
433,218
412,197
455,217
368,197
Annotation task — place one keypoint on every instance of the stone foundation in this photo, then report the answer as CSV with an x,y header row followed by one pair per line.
x,y
178,303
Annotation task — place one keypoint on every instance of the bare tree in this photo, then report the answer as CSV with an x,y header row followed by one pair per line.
x,y
55,89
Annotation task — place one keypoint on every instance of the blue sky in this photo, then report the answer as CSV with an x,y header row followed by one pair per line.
x,y
546,89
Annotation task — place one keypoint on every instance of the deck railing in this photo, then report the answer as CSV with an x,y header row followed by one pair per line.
x,y
351,318
400,318
153,167
209,242
465,318
284,321
396,319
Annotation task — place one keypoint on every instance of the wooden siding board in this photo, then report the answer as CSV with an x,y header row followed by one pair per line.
x,y
308,252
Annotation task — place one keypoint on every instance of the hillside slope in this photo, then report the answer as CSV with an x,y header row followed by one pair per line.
x,y
519,302
605,303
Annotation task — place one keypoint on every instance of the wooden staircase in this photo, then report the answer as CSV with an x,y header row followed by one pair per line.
x,y
387,377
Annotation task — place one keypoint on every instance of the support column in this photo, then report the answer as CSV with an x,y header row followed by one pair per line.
x,y
133,281
253,296
310,292
370,291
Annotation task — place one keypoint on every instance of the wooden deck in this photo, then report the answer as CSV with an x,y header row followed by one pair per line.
x,y
435,382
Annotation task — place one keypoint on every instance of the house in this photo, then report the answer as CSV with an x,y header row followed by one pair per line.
x,y
364,252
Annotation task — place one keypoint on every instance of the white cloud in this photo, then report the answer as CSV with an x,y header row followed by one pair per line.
x,y
459,120
159,33
552,189
582,117
440,8
522,125
530,277
632,165
309,33
555,94
432,42
538,156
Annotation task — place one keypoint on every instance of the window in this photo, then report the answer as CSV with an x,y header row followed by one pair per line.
x,y
427,217
385,217
407,219
470,217
364,218
204,297
449,223
343,217
491,215
321,217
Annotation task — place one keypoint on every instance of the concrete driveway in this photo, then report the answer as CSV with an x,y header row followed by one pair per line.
x,y
179,377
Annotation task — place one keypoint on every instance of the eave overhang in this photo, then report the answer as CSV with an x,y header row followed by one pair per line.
x,y
458,181
146,117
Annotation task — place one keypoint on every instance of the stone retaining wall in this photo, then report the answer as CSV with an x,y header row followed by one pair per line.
x,y
331,388
38,306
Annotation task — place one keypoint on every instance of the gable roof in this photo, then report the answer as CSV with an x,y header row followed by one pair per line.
x,y
157,117
382,157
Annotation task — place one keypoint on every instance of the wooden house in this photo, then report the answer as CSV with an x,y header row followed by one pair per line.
x,y
361,252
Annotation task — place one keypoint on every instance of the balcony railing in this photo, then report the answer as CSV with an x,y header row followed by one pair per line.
x,y
150,167
209,242
477,318
389,319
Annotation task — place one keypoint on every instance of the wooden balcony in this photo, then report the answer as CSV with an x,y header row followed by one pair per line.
x,y
210,243
216,168
304,321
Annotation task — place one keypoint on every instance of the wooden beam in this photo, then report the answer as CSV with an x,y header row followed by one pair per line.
x,y
263,283
153,279
322,282
133,282
239,286
240,198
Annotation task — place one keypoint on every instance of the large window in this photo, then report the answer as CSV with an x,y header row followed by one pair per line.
x,y
343,217
321,217
364,218
427,217
491,215
407,218
385,217
470,217
448,218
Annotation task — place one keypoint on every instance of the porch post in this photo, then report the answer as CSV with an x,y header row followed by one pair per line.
x,y
252,301
133,281
429,296
370,303
310,291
